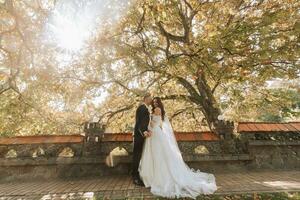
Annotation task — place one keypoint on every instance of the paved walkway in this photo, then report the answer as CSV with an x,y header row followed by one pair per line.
x,y
118,187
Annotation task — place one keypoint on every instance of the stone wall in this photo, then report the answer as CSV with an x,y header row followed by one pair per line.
x,y
98,154
275,154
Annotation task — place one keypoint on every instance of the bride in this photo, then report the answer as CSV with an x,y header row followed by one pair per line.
x,y
162,167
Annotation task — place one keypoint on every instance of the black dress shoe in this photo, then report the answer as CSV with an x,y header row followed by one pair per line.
x,y
142,183
138,182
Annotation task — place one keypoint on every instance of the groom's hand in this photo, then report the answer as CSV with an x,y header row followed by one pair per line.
x,y
145,133
149,133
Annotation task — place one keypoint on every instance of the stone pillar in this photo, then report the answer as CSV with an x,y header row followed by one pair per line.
x,y
225,130
94,132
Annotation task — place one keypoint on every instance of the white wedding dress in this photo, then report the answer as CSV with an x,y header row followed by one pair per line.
x,y
163,169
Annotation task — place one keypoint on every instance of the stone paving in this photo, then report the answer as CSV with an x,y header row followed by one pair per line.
x,y
121,187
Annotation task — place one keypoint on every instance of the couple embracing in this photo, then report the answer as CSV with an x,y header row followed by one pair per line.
x,y
157,161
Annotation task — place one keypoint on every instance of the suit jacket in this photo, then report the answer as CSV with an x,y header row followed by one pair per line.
x,y
142,119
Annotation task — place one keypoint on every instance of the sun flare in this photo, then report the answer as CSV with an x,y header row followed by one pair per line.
x,y
70,29
74,22
71,37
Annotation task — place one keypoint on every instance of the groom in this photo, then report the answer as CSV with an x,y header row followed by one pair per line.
x,y
142,119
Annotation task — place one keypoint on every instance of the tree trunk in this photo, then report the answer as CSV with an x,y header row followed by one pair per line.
x,y
211,110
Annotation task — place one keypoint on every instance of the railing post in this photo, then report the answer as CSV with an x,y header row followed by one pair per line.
x,y
94,133
225,130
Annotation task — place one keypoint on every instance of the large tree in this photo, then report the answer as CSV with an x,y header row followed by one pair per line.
x,y
205,46
49,63
66,62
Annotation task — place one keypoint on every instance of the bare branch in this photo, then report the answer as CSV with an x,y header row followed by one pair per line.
x,y
170,36
111,114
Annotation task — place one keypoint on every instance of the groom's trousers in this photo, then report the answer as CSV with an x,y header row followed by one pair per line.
x,y
138,142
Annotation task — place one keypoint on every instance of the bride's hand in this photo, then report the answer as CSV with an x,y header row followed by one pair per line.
x,y
146,133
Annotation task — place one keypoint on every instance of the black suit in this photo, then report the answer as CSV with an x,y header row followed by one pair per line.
x,y
142,118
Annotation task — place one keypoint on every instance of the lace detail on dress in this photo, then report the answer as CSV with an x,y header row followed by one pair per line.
x,y
156,120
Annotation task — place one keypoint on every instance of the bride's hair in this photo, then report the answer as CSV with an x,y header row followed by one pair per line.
x,y
160,105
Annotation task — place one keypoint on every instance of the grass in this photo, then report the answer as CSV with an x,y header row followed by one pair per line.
x,y
249,196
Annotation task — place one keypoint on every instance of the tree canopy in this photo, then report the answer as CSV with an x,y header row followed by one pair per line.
x,y
67,62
